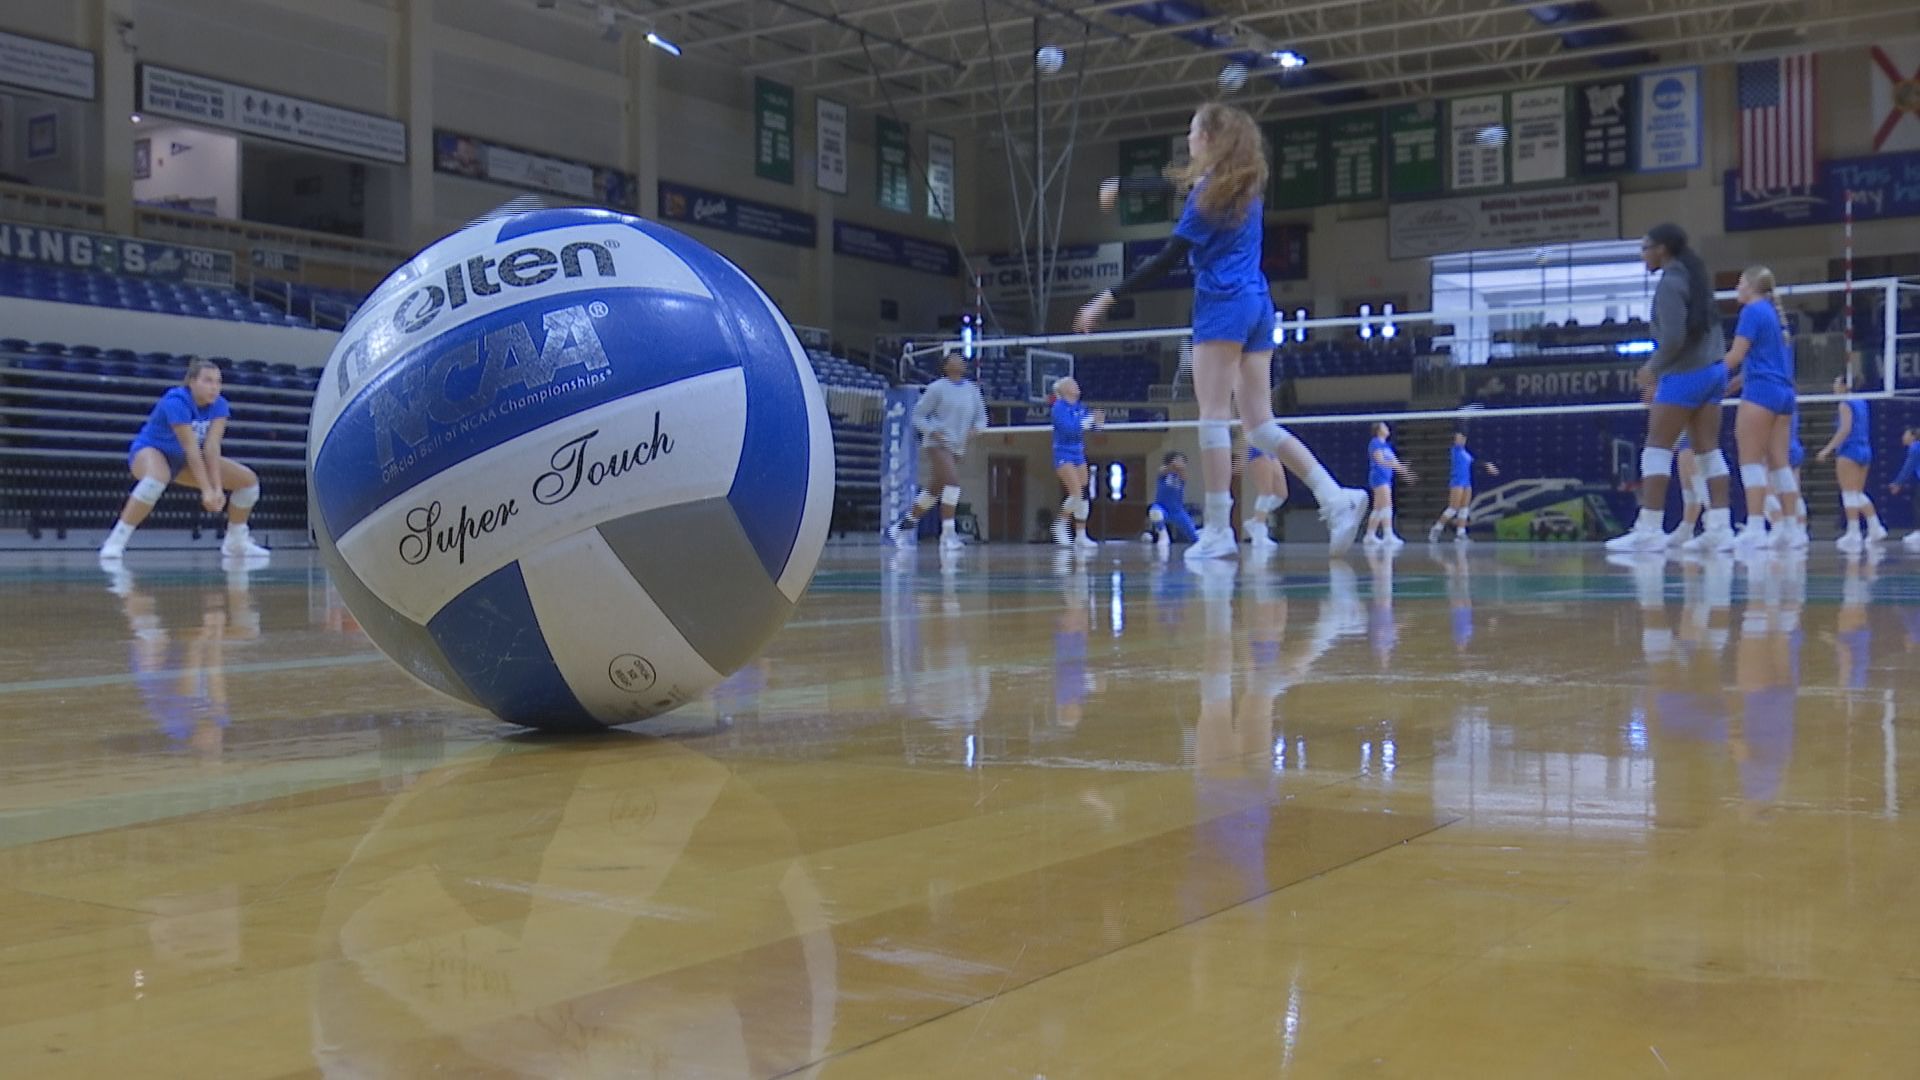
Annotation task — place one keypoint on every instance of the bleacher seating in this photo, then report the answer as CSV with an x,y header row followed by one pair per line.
x,y
329,309
855,399
67,414
1312,359
32,281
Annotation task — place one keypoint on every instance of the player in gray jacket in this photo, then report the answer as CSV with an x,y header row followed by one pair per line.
x,y
949,413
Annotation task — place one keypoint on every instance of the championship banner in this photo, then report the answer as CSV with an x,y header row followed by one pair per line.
x,y
1538,119
1299,178
1528,218
76,249
830,146
1144,159
892,165
773,131
1479,159
1895,71
1413,150
1604,130
1670,126
1353,145
940,171
899,456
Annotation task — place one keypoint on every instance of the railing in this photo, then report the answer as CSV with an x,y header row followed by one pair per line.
x,y
327,260
44,206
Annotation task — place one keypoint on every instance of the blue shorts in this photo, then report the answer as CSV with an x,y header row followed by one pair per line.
x,y
1069,457
1856,451
1246,320
1379,476
1693,389
1178,522
1772,395
1460,480
176,459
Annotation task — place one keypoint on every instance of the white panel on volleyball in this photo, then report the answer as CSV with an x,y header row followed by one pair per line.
x,y
589,608
640,261
817,514
418,554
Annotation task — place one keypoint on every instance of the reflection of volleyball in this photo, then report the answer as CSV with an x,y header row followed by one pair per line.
x,y
1233,77
1049,59
571,467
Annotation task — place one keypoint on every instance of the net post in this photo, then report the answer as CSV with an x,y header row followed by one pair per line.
x,y
1846,328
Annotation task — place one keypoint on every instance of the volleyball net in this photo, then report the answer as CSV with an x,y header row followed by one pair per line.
x,y
1536,359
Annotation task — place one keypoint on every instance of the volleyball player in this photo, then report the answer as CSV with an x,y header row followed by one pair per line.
x,y
1760,366
1382,466
1268,482
1909,477
1693,493
180,443
1220,231
1071,422
1854,452
947,416
1795,526
1169,509
1684,381
1459,490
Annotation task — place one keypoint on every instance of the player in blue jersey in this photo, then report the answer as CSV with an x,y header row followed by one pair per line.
x,y
1459,490
1221,229
1760,361
1796,526
1683,383
1168,514
1266,482
1908,479
1071,422
181,443
1382,466
1851,452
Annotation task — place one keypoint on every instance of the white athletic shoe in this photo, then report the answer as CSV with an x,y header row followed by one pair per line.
x,y
239,542
1876,532
1679,537
1164,542
1639,539
1344,518
1711,540
1393,540
1850,542
1260,538
1911,540
1461,537
1371,540
1086,545
1215,543
952,541
1797,538
1751,540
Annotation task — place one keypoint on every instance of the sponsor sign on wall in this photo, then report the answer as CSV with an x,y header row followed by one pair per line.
x,y
468,155
1555,215
252,111
32,64
729,213
894,249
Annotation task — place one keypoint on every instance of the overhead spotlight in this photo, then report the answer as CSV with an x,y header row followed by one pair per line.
x,y
136,118
1287,59
662,44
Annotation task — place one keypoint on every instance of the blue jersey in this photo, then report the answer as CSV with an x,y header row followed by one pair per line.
x,y
1171,491
1226,254
1769,357
1857,441
1462,469
1374,447
1070,422
176,406
1909,469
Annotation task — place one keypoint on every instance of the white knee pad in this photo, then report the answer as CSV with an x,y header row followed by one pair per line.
x,y
245,497
1216,435
1448,513
949,496
924,501
1754,474
1080,509
1697,490
1269,436
148,490
1156,515
1853,500
1655,461
1713,463
1267,504
1784,481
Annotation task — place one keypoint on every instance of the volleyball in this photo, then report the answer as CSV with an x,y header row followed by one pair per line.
x,y
571,467
1492,135
1050,59
1233,77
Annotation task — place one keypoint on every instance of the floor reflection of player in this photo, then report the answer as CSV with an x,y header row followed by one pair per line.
x,y
1231,762
1383,631
1767,678
180,670
1852,633
1071,680
1459,597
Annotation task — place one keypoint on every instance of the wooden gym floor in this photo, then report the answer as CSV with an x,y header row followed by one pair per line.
x,y
1521,812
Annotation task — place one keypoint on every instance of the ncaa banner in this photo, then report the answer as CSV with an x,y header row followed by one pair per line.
x,y
940,170
830,146
1670,126
899,457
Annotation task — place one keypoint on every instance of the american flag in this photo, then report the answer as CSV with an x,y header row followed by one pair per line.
x,y
1777,119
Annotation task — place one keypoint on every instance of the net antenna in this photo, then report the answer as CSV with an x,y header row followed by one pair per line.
x,y
1038,233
